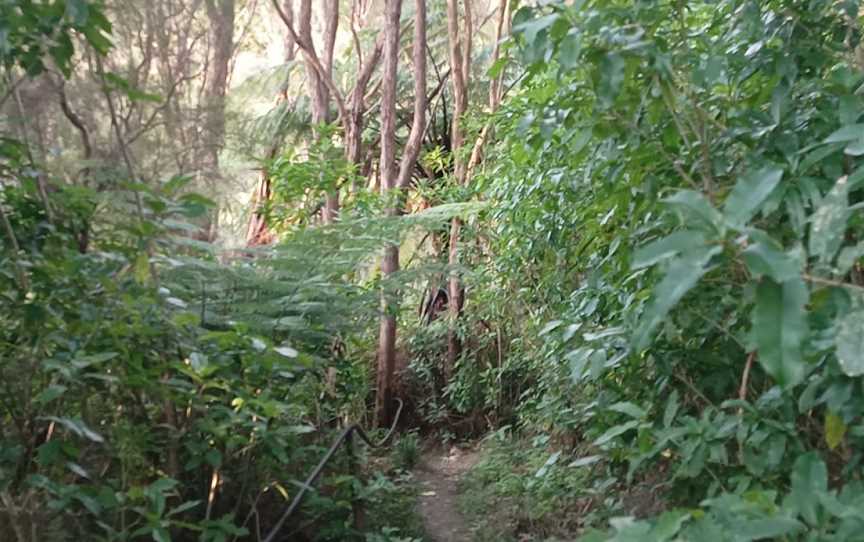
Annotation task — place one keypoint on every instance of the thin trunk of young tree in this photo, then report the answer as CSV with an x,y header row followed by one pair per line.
x,y
394,182
221,16
460,68
390,259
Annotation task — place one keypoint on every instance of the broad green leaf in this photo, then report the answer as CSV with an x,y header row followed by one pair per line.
x,y
683,273
578,360
809,479
667,247
748,195
779,327
850,343
761,529
848,257
49,394
616,431
845,134
696,210
828,223
669,525
835,430
611,78
569,49
629,409
551,326
765,257
532,27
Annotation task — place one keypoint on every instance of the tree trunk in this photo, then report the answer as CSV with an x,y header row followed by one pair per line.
x,y
221,16
390,259
391,180
460,69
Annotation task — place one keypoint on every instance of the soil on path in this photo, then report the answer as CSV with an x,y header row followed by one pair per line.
x,y
439,473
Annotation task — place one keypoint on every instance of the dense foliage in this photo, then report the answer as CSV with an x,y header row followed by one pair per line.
x,y
656,229
673,195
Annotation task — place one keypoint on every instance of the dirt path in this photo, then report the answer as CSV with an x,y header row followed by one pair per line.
x,y
439,473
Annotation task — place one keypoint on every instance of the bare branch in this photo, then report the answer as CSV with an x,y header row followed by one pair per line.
x,y
418,125
309,53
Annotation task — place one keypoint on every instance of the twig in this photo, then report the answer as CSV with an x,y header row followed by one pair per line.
x,y
829,282
745,378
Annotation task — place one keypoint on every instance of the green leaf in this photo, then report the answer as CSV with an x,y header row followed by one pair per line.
x,y
845,134
695,207
667,247
850,343
541,472
615,431
748,195
760,529
809,479
286,351
669,525
78,427
848,257
160,534
828,223
531,28
671,409
779,327
49,394
629,409
683,273
569,49
765,257
585,461
835,430
611,79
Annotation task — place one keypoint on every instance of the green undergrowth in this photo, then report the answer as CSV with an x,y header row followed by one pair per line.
x,y
389,493
517,491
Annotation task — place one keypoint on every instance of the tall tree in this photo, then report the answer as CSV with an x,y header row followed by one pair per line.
x,y
395,181
460,68
221,16
322,85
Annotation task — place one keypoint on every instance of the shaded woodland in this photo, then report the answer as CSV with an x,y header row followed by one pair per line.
x,y
612,247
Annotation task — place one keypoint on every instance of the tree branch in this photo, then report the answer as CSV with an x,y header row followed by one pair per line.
x,y
312,58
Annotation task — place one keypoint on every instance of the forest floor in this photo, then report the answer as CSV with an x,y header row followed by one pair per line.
x,y
439,472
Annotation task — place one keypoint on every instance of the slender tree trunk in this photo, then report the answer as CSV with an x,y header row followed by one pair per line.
x,y
393,180
390,259
460,69
221,16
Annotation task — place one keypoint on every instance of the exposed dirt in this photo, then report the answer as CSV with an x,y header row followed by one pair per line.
x,y
439,473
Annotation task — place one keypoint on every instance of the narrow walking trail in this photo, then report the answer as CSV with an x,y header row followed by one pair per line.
x,y
439,473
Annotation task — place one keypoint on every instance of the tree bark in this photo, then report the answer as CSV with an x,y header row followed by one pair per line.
x,y
460,69
393,182
390,259
221,16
